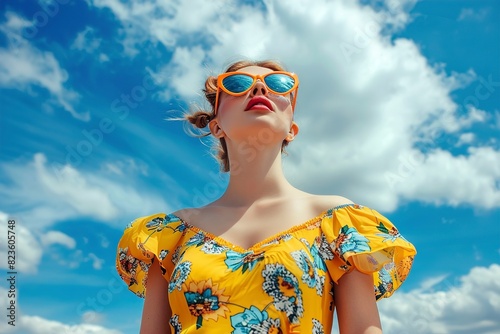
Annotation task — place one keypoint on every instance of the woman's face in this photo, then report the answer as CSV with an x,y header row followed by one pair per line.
x,y
258,113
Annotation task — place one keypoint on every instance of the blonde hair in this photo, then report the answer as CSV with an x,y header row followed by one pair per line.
x,y
200,118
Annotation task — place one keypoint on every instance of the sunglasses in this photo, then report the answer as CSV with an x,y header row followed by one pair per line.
x,y
239,83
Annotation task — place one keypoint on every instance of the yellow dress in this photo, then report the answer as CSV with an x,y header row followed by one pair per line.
x,y
283,284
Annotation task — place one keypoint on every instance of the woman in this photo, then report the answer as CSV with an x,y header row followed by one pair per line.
x,y
265,257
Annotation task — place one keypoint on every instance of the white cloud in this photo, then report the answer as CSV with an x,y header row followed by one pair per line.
x,y
76,259
31,324
23,67
466,138
86,41
472,14
38,325
442,178
56,193
28,250
377,98
179,73
56,237
32,244
103,58
92,317
104,241
96,261
430,283
497,120
468,305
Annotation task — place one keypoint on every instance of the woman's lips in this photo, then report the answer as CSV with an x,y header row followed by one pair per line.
x,y
259,103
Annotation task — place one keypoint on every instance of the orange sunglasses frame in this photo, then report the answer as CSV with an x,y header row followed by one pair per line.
x,y
255,78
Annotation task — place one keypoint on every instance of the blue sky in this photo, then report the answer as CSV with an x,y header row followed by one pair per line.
x,y
399,108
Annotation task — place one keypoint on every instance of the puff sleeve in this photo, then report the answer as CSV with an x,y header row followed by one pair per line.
x,y
362,238
147,239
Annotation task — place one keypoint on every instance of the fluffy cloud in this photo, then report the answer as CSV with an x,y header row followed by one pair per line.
x,y
471,177
32,244
23,67
28,250
470,304
58,192
442,305
38,325
29,324
378,99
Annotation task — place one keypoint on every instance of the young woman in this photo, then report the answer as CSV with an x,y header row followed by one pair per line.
x,y
265,257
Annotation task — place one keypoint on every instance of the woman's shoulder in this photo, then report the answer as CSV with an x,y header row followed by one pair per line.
x,y
322,203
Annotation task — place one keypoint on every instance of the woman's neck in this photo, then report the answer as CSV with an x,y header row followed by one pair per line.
x,y
255,175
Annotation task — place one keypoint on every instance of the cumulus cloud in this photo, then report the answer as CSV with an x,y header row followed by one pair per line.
x,y
30,324
32,244
442,178
470,304
367,100
59,192
24,66
38,325
443,305
27,248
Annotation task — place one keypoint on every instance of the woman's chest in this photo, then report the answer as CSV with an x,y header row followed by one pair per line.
x,y
284,280
301,253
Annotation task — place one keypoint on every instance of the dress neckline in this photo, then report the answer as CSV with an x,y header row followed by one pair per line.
x,y
274,237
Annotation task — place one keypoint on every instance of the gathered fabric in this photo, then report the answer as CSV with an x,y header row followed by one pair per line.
x,y
283,284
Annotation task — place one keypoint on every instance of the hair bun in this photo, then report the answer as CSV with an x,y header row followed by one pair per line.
x,y
200,119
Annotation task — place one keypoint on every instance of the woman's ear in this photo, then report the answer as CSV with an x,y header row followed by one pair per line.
x,y
215,129
294,130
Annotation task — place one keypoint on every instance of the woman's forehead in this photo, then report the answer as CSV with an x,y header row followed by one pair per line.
x,y
255,70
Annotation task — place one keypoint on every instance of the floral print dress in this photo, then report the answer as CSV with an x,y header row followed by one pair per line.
x,y
283,284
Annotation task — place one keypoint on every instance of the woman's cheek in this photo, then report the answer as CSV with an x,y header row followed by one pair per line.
x,y
281,101
227,103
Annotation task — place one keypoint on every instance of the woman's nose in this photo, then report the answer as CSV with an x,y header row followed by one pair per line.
x,y
259,89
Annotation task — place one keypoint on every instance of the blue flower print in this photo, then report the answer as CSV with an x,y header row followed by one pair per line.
x,y
159,223
310,274
283,286
385,285
198,239
211,247
387,234
246,261
350,240
320,251
252,321
179,276
163,254
317,327
155,223
174,321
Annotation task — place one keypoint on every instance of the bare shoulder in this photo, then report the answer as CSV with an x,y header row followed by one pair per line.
x,y
188,214
325,202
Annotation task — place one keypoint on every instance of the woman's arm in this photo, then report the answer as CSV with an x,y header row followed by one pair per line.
x,y
156,313
356,306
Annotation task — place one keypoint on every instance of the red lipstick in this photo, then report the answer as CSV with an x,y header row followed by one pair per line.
x,y
259,103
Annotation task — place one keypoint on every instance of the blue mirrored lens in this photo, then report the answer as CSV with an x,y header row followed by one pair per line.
x,y
237,83
280,83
